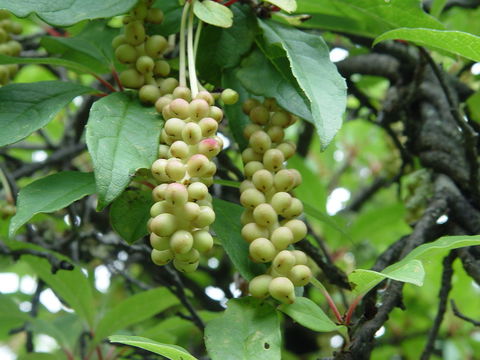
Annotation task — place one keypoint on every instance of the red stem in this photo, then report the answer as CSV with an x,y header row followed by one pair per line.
x,y
333,306
99,353
230,2
351,309
104,82
146,183
117,79
68,354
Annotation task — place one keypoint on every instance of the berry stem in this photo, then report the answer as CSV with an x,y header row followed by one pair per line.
x,y
105,83
191,57
231,2
351,309
6,185
117,79
330,301
183,67
197,37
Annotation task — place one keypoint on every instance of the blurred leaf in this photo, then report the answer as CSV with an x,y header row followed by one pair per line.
x,y
10,314
227,227
4,59
91,48
38,356
172,352
473,103
49,194
129,214
41,326
213,13
25,108
248,330
221,49
366,17
455,42
437,7
317,76
287,5
261,78
122,137
134,309
305,312
62,13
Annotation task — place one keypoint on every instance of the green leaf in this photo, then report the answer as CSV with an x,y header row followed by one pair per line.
x,y
455,42
227,227
172,352
4,59
134,309
122,137
213,13
305,312
437,7
365,17
248,330
68,12
261,78
410,268
129,214
25,108
38,356
221,49
287,5
91,48
49,194
410,272
317,76
10,314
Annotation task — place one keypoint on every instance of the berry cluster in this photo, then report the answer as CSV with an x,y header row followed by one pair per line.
x,y
8,46
269,220
183,210
144,54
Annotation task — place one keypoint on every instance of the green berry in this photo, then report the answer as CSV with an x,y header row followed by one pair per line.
x,y
168,85
252,167
258,286
262,179
249,155
282,289
158,170
300,257
216,113
283,262
262,250
161,68
192,133
250,129
284,180
179,149
209,147
260,141
197,191
281,201
198,165
298,228
205,95
249,105
134,33
163,224
246,184
190,211
181,242
229,96
199,109
118,40
154,16
288,149
159,242
163,151
158,208
182,92
295,209
273,160
180,108
252,231
276,134
184,266
145,64
131,78
202,241
175,169
205,217
162,102
155,46
209,126
190,257
281,238
260,115
139,12
174,128
265,215
251,198
300,275
176,194
158,192
149,94
246,217
161,257
270,104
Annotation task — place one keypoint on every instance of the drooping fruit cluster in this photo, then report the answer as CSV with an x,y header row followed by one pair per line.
x,y
183,212
8,46
270,223
144,54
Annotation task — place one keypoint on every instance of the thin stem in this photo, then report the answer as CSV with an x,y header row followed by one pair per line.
x,y
183,66
105,83
197,37
117,79
6,187
330,301
191,57
351,309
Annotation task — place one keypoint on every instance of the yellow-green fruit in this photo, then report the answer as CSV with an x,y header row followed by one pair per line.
x,y
161,68
154,16
149,94
159,242
181,242
281,238
265,215
300,257
134,33
155,46
205,217
161,257
283,262
298,228
126,54
258,286
300,275
229,96
282,289
251,198
252,231
262,250
163,224
184,266
259,115
131,78
202,240
190,257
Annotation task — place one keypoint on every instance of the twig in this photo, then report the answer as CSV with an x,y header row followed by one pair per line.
x,y
458,314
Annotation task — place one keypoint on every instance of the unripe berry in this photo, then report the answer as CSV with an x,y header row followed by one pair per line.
x,y
300,257
273,160
165,138
149,94
175,169
250,129
262,250
258,286
263,180
216,113
283,262
197,191
163,151
198,165
163,224
156,46
185,267
209,147
159,242
205,95
300,275
158,192
249,104
260,115
176,194
252,168
288,149
161,257
280,118
295,209
179,149
281,238
205,217
145,64
161,68
299,229
229,96
265,215
209,126
168,85
190,211
182,92
181,242
180,108
276,134
246,217
16,28
246,184
139,12
158,208
154,16
158,170
251,198
281,201
249,155
117,41
297,176
202,241
252,231
284,180
134,33
162,102
260,141
192,133
199,109
131,78
282,289
190,257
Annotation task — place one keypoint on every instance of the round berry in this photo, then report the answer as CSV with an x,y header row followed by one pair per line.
x,y
252,167
260,142
134,33
145,64
229,96
180,108
179,149
161,257
298,228
282,289
262,250
284,180
174,127
190,211
252,231
283,262
273,160
192,133
149,94
198,165
175,169
281,238
197,191
265,215
209,126
300,275
156,46
252,198
262,179
281,201
181,242
176,194
258,286
159,242
163,224
154,16
202,241
260,115
249,105
205,217
199,109
131,78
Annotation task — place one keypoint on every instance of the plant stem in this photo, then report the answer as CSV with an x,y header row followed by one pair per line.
x,y
351,309
183,67
191,57
197,37
330,301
